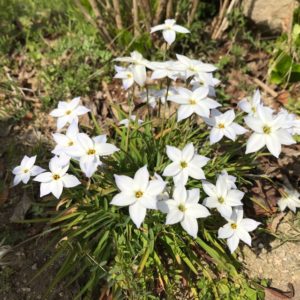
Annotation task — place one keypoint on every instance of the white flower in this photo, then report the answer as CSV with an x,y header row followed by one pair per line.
x,y
185,163
25,170
184,208
237,229
55,180
193,67
125,122
126,74
65,141
290,199
154,96
222,124
268,131
67,112
138,193
196,101
169,30
205,79
291,123
250,105
170,69
230,180
138,66
221,196
89,150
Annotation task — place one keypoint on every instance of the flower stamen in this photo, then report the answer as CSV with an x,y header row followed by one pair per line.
x,y
139,194
267,129
183,164
91,152
221,200
233,225
56,177
181,207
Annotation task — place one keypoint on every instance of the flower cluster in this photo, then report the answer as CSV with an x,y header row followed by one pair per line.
x,y
191,86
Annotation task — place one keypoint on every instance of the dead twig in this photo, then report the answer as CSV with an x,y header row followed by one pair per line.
x,y
169,10
117,12
161,7
191,15
265,87
135,14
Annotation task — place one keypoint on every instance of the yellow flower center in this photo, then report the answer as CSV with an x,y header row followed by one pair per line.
x,y
221,125
68,112
139,194
183,164
233,225
267,129
129,75
55,176
181,207
91,152
192,101
71,143
253,109
221,200
26,170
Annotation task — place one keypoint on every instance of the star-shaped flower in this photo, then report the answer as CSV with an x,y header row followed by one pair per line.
x,y
89,150
184,208
138,66
66,141
196,101
127,76
250,105
67,112
139,193
290,198
193,67
237,229
26,169
185,163
221,196
169,29
223,125
269,130
55,180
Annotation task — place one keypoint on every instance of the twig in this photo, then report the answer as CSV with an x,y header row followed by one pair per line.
x,y
169,10
224,22
161,7
118,16
100,23
135,15
192,14
265,87
219,18
146,7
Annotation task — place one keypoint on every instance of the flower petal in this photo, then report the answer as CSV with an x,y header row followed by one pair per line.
x,y
44,177
137,213
141,179
225,232
190,225
70,181
174,216
124,183
123,199
172,169
184,112
255,142
169,36
174,153
233,242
